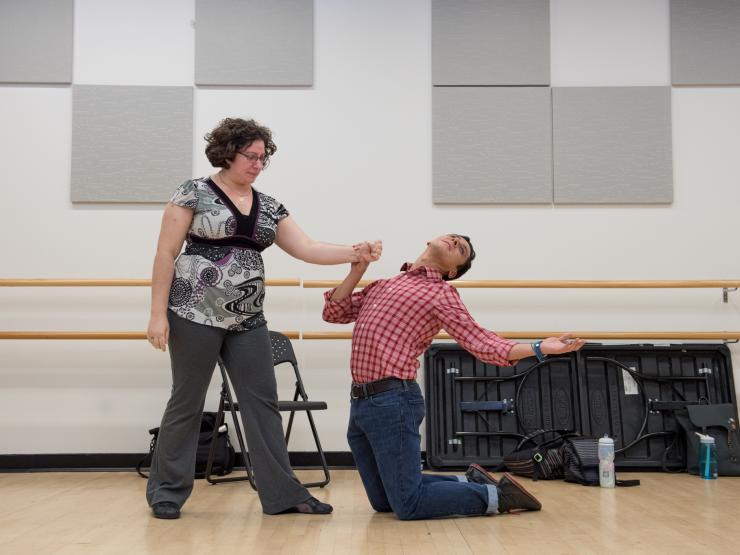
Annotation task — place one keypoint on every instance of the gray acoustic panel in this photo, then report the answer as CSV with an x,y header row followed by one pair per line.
x,y
130,144
36,41
491,145
490,42
612,145
705,42
254,42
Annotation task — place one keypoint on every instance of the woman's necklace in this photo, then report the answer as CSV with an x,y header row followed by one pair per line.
x,y
241,198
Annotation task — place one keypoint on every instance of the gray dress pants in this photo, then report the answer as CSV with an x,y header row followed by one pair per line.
x,y
247,355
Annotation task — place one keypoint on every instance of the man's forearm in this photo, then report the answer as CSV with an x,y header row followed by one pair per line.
x,y
549,346
520,350
345,288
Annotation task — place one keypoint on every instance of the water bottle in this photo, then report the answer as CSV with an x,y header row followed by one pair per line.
x,y
707,457
607,477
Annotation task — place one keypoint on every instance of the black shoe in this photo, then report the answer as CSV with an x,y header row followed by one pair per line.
x,y
479,475
311,506
513,497
166,509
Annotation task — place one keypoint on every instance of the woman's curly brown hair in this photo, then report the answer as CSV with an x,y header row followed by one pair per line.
x,y
233,134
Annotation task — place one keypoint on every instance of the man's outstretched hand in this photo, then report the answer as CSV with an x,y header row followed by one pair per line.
x,y
561,345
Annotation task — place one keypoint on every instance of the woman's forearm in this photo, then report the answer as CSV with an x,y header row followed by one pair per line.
x,y
297,244
316,252
176,221
164,268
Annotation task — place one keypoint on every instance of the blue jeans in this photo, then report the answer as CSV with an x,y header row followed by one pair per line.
x,y
383,434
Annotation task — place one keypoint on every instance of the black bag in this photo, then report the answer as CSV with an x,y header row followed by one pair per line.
x,y
542,461
224,455
718,421
581,462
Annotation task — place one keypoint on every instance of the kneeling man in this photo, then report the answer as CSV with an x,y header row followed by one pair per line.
x,y
396,320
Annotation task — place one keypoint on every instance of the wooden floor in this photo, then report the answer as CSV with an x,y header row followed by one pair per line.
x,y
105,513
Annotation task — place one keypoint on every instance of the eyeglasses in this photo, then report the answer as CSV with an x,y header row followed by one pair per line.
x,y
252,157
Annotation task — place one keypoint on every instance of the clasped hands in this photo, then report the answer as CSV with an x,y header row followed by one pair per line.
x,y
367,252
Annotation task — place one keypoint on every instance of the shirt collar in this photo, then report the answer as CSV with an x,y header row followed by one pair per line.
x,y
430,273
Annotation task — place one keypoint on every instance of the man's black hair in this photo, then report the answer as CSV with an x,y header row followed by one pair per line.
x,y
465,266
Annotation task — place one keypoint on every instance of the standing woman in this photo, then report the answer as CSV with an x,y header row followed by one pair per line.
x,y
207,302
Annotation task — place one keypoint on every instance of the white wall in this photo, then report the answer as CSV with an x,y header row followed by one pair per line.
x,y
354,162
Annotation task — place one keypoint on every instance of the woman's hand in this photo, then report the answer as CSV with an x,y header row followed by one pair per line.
x,y
367,251
561,345
158,332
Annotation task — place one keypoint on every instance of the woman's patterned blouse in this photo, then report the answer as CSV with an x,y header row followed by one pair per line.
x,y
220,277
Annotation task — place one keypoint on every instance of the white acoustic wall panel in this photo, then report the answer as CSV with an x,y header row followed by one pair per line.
x,y
130,144
491,145
36,41
599,43
136,42
254,42
705,42
490,42
612,145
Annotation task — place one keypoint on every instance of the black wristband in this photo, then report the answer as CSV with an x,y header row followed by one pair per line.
x,y
538,351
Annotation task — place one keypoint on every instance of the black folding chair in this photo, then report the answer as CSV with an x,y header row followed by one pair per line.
x,y
282,351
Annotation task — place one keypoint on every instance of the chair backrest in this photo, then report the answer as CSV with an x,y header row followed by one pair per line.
x,y
282,349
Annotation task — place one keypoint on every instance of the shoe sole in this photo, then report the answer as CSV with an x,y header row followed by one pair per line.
x,y
485,472
525,492
166,517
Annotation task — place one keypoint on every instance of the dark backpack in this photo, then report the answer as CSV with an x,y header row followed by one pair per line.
x,y
223,456
581,462
718,421
539,461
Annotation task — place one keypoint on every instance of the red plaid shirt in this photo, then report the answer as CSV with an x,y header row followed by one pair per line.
x,y
397,319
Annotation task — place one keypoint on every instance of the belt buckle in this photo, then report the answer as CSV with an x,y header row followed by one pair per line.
x,y
354,391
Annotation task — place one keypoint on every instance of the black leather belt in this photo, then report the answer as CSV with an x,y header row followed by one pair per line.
x,y
365,390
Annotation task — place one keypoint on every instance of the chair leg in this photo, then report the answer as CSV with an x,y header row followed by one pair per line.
x,y
290,427
243,447
227,398
324,466
211,450
292,415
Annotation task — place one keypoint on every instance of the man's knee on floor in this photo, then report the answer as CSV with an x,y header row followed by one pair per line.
x,y
380,509
379,505
406,512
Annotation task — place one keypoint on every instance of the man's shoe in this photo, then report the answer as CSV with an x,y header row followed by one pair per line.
x,y
166,509
513,497
311,506
479,475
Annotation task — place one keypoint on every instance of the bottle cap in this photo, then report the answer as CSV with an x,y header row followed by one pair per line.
x,y
704,438
606,440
